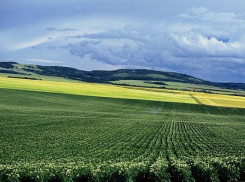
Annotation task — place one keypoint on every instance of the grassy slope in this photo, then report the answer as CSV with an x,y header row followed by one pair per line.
x,y
40,77
104,90
92,89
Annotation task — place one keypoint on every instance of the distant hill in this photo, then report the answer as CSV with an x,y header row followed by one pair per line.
x,y
108,76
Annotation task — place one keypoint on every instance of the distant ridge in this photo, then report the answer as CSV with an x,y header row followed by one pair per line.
x,y
99,76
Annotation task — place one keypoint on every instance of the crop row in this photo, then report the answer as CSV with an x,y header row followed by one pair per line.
x,y
209,169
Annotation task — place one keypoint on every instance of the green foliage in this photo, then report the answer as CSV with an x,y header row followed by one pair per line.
x,y
29,78
203,171
159,170
180,171
7,64
227,172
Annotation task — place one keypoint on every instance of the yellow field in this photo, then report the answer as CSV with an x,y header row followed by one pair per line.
x,y
104,90
220,100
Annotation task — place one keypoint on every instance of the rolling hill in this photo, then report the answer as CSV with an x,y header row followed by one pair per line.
x,y
150,78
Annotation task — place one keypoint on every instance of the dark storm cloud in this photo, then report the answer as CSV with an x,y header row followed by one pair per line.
x,y
202,38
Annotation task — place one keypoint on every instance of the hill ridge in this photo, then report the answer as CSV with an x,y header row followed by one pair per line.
x,y
106,76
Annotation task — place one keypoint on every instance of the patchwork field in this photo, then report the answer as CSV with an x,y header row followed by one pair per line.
x,y
180,86
112,91
68,132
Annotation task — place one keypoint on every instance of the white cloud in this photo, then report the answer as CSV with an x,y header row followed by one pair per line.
x,y
204,14
44,61
195,44
30,43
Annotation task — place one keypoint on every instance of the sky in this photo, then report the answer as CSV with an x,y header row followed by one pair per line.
x,y
205,39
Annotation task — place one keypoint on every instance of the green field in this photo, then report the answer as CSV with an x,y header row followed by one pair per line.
x,y
66,137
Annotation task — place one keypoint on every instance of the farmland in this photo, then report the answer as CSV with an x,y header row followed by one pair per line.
x,y
177,85
112,91
66,132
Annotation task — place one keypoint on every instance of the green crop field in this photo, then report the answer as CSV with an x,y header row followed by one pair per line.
x,y
61,137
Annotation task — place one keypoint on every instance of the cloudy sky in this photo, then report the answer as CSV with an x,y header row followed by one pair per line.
x,y
205,39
